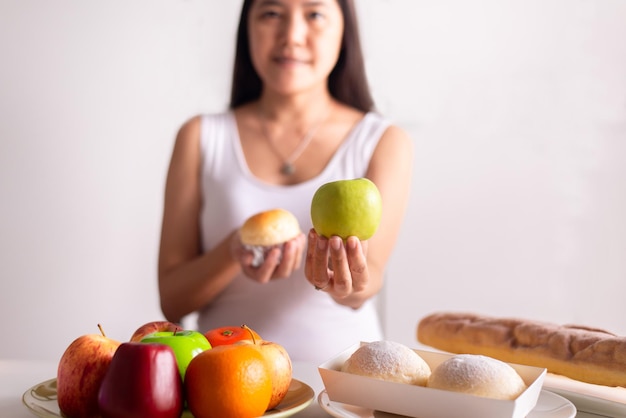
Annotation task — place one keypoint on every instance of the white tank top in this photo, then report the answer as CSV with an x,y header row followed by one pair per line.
x,y
308,323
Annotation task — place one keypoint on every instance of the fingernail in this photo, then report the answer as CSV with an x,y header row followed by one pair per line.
x,y
335,243
321,244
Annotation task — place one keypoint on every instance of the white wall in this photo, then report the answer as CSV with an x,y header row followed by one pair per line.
x,y
517,109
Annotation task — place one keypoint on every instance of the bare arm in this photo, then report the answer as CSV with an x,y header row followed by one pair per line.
x,y
188,279
359,267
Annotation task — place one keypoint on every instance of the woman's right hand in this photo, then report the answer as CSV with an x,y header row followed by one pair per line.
x,y
277,264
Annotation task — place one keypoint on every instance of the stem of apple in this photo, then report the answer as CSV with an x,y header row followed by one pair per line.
x,y
101,330
247,328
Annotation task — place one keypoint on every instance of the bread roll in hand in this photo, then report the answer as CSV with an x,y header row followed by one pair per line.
x,y
266,230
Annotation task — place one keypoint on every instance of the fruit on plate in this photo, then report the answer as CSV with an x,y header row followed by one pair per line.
x,y
280,368
142,381
230,335
347,208
80,373
152,327
276,355
186,344
231,380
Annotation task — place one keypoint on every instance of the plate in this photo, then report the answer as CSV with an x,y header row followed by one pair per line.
x,y
549,405
592,404
587,397
41,400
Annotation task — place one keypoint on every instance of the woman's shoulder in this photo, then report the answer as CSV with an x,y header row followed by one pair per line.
x,y
200,118
395,144
371,119
396,132
390,130
191,129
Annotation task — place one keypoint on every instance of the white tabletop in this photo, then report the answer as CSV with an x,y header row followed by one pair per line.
x,y
16,376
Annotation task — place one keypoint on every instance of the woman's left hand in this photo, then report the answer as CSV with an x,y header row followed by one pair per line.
x,y
336,267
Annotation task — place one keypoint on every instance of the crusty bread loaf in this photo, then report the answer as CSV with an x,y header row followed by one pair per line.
x,y
581,353
477,375
390,361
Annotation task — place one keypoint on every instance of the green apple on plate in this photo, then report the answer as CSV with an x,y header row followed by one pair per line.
x,y
186,344
347,208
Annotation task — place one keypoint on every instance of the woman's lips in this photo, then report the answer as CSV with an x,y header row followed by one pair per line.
x,y
290,60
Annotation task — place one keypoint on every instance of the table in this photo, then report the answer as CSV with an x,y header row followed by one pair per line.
x,y
16,376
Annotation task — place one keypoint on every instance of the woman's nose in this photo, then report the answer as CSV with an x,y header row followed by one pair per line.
x,y
294,29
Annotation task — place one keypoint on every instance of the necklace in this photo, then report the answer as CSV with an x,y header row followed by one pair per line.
x,y
287,168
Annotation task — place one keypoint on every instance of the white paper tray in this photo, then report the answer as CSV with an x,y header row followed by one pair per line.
x,y
422,402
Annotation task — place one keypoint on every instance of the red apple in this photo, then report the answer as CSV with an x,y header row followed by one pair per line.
x,y
143,381
281,370
280,367
152,327
81,370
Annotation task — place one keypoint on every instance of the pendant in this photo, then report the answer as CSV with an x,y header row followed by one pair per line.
x,y
287,169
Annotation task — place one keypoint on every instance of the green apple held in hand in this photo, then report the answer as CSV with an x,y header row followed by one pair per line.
x,y
347,208
186,344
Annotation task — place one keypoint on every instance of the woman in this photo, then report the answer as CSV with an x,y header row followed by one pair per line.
x,y
300,116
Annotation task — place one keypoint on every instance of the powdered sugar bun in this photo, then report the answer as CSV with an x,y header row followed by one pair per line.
x,y
388,360
477,375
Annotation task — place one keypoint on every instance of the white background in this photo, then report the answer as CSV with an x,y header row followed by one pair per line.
x,y
517,110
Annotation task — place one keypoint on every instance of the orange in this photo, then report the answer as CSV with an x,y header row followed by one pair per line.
x,y
229,381
229,335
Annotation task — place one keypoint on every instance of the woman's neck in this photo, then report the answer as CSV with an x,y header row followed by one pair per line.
x,y
300,109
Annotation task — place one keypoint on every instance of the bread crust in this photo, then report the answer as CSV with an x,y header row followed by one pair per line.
x,y
270,227
581,353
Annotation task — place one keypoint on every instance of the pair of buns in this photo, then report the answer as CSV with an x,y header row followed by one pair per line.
x,y
581,353
266,230
472,374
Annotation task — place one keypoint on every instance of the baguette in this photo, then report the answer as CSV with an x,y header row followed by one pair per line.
x,y
581,353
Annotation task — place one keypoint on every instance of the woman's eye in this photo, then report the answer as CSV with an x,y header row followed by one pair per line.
x,y
315,15
270,14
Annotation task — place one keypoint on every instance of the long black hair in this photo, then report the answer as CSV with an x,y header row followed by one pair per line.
x,y
347,81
